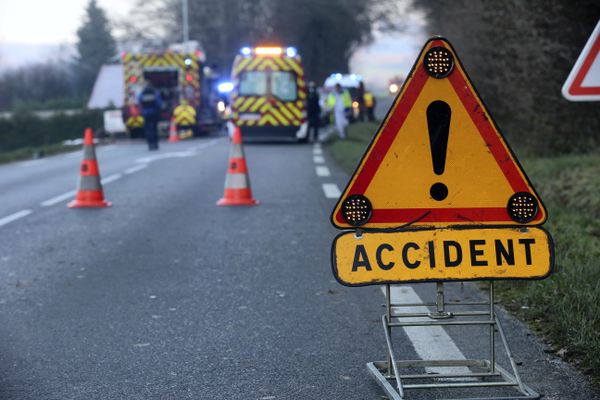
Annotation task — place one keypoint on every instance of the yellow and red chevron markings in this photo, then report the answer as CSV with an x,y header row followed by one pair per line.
x,y
134,64
270,112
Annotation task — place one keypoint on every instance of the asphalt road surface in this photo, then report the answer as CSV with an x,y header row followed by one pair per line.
x,y
167,296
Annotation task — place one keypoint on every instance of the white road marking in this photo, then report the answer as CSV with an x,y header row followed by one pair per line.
x,y
318,159
74,154
176,154
108,147
58,199
430,342
207,144
31,163
111,178
317,145
322,170
13,217
331,190
163,156
135,168
317,151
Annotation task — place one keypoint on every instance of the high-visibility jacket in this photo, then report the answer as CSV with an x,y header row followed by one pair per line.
x,y
346,99
369,101
185,115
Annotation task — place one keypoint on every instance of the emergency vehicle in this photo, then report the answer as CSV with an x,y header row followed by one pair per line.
x,y
269,93
179,76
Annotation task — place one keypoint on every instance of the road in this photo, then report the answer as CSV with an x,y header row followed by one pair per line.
x,y
167,296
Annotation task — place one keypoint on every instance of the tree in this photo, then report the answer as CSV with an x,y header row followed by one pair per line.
x,y
325,32
518,54
95,46
38,85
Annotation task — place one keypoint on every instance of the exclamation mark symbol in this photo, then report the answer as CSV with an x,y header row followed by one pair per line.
x,y
438,123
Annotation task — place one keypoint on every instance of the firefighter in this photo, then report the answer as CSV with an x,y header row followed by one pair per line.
x,y
185,116
370,105
339,101
151,104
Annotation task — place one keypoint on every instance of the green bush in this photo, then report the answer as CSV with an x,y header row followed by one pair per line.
x,y
24,129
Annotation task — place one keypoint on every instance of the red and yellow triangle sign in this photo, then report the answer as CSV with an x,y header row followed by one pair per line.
x,y
438,159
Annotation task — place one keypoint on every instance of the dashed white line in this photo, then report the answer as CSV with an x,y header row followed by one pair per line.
x,y
108,147
317,145
331,190
319,160
190,152
15,216
317,151
322,170
111,178
31,163
204,145
135,168
58,199
430,342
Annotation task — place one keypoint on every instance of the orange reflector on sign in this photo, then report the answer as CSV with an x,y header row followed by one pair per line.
x,y
450,254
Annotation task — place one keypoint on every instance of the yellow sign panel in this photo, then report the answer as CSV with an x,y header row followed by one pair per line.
x,y
438,159
447,254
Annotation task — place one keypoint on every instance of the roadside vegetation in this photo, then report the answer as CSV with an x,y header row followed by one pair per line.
x,y
25,135
27,153
564,308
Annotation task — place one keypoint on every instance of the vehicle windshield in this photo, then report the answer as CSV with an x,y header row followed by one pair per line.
x,y
253,83
283,85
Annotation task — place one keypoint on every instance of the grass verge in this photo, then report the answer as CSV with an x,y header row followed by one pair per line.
x,y
565,308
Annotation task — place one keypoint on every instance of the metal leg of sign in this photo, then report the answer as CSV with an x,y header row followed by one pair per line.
x,y
481,373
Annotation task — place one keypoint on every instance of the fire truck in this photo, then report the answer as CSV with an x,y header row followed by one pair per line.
x,y
269,93
179,76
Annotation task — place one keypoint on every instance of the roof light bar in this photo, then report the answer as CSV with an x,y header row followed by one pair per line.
x,y
268,51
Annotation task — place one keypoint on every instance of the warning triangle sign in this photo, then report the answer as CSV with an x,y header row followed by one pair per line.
x,y
583,83
438,159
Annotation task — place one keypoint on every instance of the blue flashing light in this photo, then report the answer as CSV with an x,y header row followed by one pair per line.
x,y
291,52
246,51
338,76
225,87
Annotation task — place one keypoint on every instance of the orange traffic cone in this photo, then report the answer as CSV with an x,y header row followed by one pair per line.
x,y
173,135
237,184
89,192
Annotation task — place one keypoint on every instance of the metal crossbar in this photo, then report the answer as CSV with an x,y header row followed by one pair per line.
x,y
386,372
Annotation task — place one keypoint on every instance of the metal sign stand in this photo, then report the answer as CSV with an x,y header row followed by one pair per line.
x,y
484,373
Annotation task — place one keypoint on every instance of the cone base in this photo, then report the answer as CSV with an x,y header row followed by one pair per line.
x,y
89,204
238,202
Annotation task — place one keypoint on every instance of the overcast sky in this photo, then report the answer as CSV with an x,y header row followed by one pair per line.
x,y
27,36
49,21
